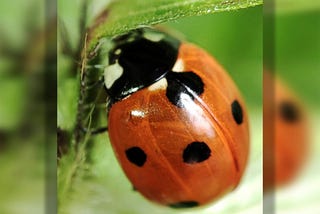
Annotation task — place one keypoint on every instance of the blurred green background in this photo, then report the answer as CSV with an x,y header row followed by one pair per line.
x,y
22,118
297,53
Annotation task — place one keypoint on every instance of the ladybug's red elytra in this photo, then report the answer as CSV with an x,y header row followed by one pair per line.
x,y
176,120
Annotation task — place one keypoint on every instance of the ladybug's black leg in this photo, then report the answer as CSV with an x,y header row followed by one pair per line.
x,y
95,131
96,106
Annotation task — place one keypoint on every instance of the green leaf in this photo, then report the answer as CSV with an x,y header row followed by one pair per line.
x,y
125,15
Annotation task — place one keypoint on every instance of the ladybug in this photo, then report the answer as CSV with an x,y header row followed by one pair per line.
x,y
176,120
285,134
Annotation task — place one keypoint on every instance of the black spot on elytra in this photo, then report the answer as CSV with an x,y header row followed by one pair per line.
x,y
237,112
196,152
184,204
182,85
289,112
136,156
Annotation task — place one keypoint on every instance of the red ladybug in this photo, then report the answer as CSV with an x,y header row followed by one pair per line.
x,y
177,122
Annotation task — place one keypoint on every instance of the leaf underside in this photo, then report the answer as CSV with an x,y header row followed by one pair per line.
x,y
125,15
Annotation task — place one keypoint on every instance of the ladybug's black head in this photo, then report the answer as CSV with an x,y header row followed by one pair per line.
x,y
137,60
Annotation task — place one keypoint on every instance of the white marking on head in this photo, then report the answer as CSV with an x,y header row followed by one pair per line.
x,y
178,66
161,84
111,74
153,36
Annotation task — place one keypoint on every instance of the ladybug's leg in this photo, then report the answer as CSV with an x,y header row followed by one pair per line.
x,y
95,131
98,130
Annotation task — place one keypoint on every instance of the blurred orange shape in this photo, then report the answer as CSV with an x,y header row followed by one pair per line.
x,y
285,133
